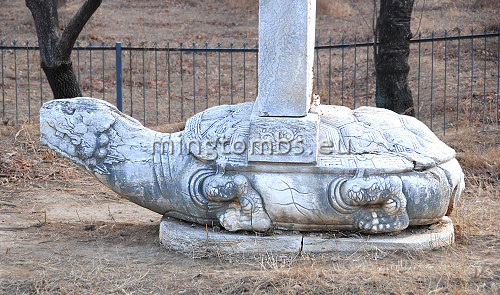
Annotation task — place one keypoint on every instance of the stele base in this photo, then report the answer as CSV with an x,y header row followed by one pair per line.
x,y
189,238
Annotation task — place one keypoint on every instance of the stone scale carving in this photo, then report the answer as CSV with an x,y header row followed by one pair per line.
x,y
269,164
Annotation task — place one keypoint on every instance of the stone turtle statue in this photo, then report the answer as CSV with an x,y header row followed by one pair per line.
x,y
368,169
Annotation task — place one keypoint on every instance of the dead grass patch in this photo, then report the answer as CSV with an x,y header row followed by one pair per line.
x,y
486,4
105,255
334,8
248,5
479,154
82,254
23,159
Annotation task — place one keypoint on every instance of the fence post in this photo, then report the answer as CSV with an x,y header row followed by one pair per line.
x,y
119,94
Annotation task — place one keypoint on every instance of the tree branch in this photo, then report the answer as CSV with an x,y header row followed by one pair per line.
x,y
73,29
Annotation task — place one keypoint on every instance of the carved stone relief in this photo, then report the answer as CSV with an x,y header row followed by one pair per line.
x,y
389,177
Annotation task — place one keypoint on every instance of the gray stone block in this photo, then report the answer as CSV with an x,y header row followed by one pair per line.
x,y
286,56
196,240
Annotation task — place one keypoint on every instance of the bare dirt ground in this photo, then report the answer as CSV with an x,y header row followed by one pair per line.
x,y
159,92
223,21
62,232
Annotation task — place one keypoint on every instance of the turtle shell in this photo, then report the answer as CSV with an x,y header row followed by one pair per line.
x,y
369,130
209,135
363,132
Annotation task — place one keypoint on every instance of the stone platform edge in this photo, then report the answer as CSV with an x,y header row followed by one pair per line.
x,y
191,238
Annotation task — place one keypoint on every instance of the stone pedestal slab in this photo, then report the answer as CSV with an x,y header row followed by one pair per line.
x,y
200,240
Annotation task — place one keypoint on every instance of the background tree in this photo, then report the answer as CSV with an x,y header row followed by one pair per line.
x,y
392,39
56,46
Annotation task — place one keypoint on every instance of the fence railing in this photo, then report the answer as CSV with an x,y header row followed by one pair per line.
x,y
454,77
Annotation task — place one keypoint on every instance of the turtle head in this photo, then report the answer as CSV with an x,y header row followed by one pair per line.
x,y
80,129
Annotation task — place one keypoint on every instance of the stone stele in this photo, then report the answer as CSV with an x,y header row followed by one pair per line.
x,y
281,163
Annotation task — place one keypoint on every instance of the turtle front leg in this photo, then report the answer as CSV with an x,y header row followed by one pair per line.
x,y
246,210
382,204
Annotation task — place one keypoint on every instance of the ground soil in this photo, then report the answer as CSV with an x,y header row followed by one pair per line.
x,y
224,21
160,87
62,232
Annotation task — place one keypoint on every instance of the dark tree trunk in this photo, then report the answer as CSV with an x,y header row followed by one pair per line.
x,y
393,36
62,80
56,47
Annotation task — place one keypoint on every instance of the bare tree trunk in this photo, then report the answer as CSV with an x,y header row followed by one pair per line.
x,y
56,47
393,36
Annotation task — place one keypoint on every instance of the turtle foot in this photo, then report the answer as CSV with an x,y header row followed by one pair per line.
x,y
237,218
245,210
379,203
378,221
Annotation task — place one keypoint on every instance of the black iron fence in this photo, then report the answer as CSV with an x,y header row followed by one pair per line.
x,y
454,77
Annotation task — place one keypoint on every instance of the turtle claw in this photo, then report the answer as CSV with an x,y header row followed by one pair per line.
x,y
391,207
378,221
379,203
235,218
245,210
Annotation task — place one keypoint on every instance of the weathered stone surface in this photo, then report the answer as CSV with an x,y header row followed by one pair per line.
x,y
199,240
326,168
286,56
377,176
283,139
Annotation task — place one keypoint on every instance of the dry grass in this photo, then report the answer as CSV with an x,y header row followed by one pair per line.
x,y
479,155
334,8
25,161
331,8
486,4
89,241
111,254
252,5
236,21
